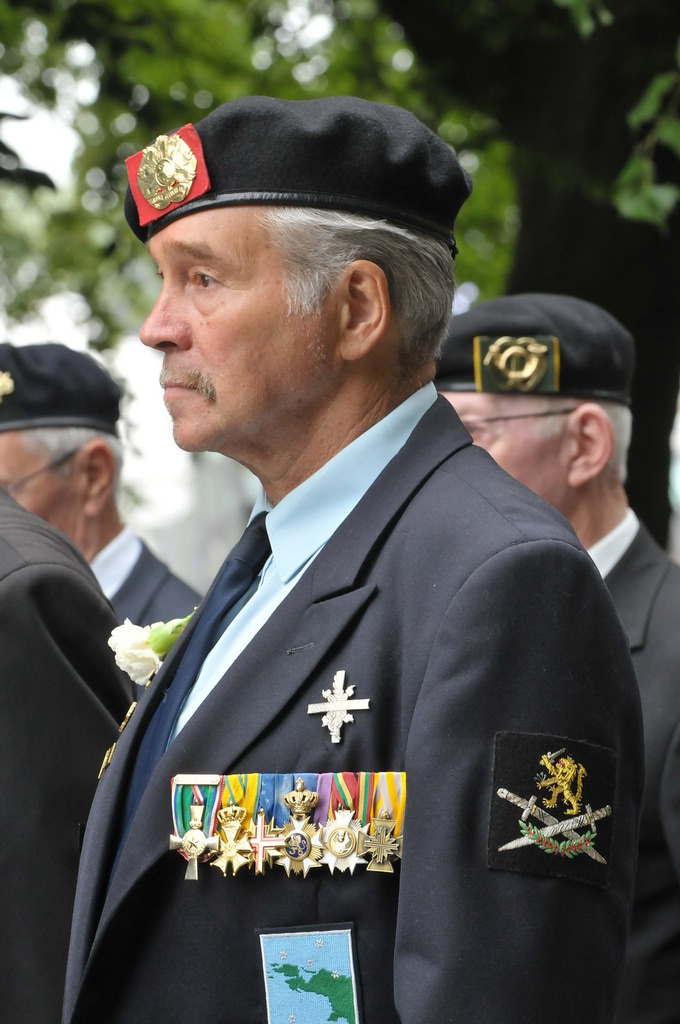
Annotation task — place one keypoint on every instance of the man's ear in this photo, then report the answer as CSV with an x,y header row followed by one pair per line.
x,y
365,309
590,437
96,467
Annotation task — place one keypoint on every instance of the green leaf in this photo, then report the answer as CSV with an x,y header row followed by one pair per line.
x,y
587,14
649,106
651,203
668,132
637,173
164,635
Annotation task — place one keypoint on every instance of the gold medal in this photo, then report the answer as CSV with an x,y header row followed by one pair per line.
x,y
234,849
382,845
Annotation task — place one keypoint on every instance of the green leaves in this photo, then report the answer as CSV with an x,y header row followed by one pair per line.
x,y
639,196
637,193
568,848
650,105
587,15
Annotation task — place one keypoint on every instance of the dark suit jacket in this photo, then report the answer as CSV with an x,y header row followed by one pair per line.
x,y
151,593
645,585
61,699
461,606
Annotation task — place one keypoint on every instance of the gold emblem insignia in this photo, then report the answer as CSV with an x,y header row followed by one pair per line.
x,y
517,364
167,171
6,383
565,778
300,801
234,848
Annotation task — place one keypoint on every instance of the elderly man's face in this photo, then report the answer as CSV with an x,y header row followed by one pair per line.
x,y
532,448
49,492
241,375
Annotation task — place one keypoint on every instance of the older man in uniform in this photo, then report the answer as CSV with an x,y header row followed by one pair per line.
x,y
60,457
378,778
543,383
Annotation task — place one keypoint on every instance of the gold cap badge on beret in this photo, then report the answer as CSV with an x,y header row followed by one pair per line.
x,y
517,364
6,384
168,173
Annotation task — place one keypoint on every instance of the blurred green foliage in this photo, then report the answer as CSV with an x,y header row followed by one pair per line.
x,y
121,71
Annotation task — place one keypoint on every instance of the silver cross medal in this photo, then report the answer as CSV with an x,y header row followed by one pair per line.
x,y
336,710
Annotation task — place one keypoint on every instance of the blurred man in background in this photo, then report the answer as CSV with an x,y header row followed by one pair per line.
x,y
61,457
543,383
61,699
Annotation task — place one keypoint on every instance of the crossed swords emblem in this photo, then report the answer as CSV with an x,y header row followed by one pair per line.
x,y
553,826
544,837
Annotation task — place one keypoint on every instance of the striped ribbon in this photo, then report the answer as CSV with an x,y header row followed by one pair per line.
x,y
366,794
183,796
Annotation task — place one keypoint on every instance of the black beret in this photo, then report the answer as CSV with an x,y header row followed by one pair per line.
x,y
335,153
538,343
51,385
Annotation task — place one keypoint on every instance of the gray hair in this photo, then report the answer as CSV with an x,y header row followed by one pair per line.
x,y
53,442
316,246
620,418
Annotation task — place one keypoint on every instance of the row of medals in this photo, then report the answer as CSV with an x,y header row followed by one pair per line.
x,y
298,846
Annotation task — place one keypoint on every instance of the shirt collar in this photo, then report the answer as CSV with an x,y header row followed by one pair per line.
x,y
304,520
607,551
114,563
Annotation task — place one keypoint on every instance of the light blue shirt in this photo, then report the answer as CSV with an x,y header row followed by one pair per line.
x,y
298,528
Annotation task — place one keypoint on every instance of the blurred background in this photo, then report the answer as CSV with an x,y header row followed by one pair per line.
x,y
565,112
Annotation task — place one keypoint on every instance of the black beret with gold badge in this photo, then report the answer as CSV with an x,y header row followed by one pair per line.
x,y
538,343
334,153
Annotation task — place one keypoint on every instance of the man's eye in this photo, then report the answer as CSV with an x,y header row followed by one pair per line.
x,y
203,280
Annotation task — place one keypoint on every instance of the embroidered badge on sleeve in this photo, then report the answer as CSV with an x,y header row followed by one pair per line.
x,y
552,807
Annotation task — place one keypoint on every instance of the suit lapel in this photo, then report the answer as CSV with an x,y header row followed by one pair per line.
x,y
281,659
136,592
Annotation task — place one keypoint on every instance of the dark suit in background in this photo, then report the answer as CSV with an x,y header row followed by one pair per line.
x,y
645,586
61,699
152,593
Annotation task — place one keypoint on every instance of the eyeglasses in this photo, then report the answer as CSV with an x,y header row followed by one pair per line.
x,y
54,464
472,425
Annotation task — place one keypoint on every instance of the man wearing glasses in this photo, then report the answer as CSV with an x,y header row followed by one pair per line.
x,y
60,457
542,382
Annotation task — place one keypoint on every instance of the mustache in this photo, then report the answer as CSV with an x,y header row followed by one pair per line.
x,y
193,380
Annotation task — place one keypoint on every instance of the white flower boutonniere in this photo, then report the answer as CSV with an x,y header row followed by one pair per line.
x,y
139,650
